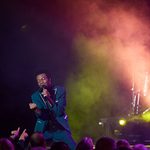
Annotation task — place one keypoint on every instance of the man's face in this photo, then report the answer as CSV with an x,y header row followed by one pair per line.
x,y
43,80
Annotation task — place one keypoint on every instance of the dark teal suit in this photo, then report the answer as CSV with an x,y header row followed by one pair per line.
x,y
55,111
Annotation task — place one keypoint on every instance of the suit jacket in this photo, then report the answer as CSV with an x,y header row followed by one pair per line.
x,y
57,109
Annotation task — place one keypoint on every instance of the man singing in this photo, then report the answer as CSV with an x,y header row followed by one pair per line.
x,y
49,104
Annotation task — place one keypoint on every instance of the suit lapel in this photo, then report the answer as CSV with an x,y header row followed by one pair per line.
x,y
42,100
55,93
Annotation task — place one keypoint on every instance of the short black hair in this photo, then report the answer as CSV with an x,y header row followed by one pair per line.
x,y
40,72
106,143
37,139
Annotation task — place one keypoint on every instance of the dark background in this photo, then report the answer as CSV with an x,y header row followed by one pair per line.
x,y
32,39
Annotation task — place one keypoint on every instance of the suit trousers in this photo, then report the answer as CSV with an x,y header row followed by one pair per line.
x,y
60,136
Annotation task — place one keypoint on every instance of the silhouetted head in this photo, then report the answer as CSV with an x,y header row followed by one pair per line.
x,y
139,147
122,143
105,143
6,144
85,144
37,140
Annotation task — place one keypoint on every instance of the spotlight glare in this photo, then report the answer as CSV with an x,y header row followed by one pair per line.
x,y
122,122
146,116
100,123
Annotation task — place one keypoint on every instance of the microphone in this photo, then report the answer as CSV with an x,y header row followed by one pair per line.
x,y
46,97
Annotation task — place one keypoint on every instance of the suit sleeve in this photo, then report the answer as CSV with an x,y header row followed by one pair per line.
x,y
40,112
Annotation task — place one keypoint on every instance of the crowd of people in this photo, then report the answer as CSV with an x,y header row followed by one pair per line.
x,y
36,141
